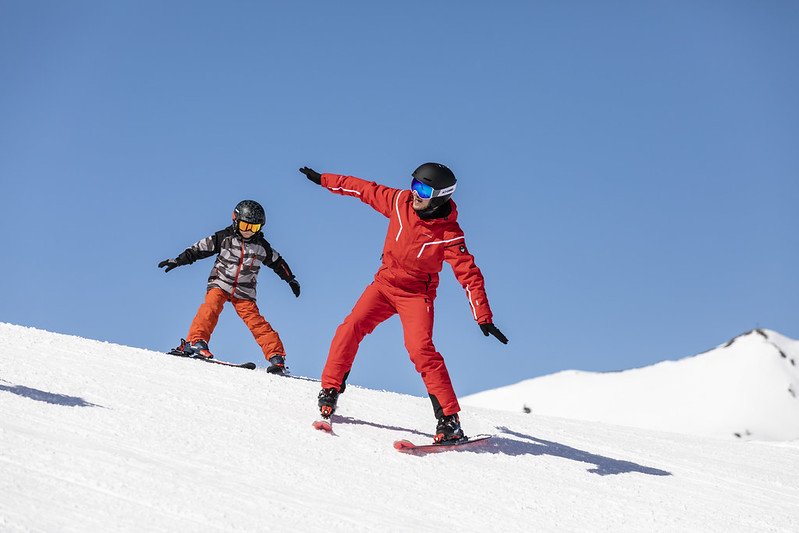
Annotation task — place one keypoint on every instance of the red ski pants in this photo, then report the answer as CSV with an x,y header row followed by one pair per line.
x,y
376,305
208,315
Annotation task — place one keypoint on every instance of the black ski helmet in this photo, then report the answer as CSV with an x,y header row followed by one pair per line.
x,y
249,211
439,177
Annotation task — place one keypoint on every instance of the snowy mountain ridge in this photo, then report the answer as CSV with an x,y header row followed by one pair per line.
x,y
746,388
102,437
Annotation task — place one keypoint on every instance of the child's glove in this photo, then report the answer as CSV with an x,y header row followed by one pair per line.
x,y
295,287
169,264
492,329
184,258
312,175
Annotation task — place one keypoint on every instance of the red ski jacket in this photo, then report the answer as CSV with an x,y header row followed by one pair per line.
x,y
416,248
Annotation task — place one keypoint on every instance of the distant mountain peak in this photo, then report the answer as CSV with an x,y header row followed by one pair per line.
x,y
757,331
746,388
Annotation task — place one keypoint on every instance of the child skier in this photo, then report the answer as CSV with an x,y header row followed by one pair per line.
x,y
423,232
241,249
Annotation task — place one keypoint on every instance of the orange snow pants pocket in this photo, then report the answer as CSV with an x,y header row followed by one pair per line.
x,y
204,323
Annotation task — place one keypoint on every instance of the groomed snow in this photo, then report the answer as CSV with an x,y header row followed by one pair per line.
x,y
102,437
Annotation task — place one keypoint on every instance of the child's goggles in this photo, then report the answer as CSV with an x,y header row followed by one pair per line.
x,y
426,191
246,226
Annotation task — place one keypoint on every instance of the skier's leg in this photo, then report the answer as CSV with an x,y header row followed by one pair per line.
x,y
371,309
416,314
266,337
202,327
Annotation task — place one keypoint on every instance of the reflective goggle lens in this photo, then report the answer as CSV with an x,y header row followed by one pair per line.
x,y
246,226
422,189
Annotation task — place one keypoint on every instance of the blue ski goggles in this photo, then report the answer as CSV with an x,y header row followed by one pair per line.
x,y
426,191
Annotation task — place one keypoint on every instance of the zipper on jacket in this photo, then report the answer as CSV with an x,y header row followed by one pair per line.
x,y
238,271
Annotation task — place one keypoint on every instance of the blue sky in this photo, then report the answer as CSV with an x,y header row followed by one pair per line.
x,y
628,172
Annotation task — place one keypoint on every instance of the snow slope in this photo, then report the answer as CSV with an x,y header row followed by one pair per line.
x,y
102,437
747,388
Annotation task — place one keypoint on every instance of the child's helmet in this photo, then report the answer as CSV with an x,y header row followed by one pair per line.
x,y
249,211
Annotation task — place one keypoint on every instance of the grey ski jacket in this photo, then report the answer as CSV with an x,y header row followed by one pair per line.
x,y
238,261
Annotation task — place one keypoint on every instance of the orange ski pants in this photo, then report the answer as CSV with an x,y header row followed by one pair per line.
x,y
377,304
208,315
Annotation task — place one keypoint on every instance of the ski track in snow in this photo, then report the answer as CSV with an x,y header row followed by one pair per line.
x,y
102,437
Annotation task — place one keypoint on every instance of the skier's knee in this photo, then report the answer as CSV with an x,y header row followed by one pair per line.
x,y
427,362
355,329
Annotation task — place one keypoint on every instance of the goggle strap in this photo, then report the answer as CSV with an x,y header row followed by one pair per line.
x,y
443,192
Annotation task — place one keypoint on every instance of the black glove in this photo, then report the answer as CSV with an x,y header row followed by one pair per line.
x,y
312,175
295,287
169,264
492,329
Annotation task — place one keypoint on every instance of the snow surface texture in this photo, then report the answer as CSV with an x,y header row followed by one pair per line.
x,y
102,437
747,388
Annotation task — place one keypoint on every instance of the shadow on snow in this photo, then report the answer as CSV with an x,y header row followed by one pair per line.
x,y
46,397
349,420
605,466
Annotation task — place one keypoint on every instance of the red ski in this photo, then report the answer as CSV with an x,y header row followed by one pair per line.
x,y
408,446
323,425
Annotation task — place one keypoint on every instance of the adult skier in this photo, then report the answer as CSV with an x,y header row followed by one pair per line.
x,y
241,249
423,232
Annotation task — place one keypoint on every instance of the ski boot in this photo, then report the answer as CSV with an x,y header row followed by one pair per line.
x,y
184,348
277,365
327,402
197,348
448,429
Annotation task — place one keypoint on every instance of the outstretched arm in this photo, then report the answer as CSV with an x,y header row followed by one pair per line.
x,y
282,269
201,249
471,279
276,262
380,197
